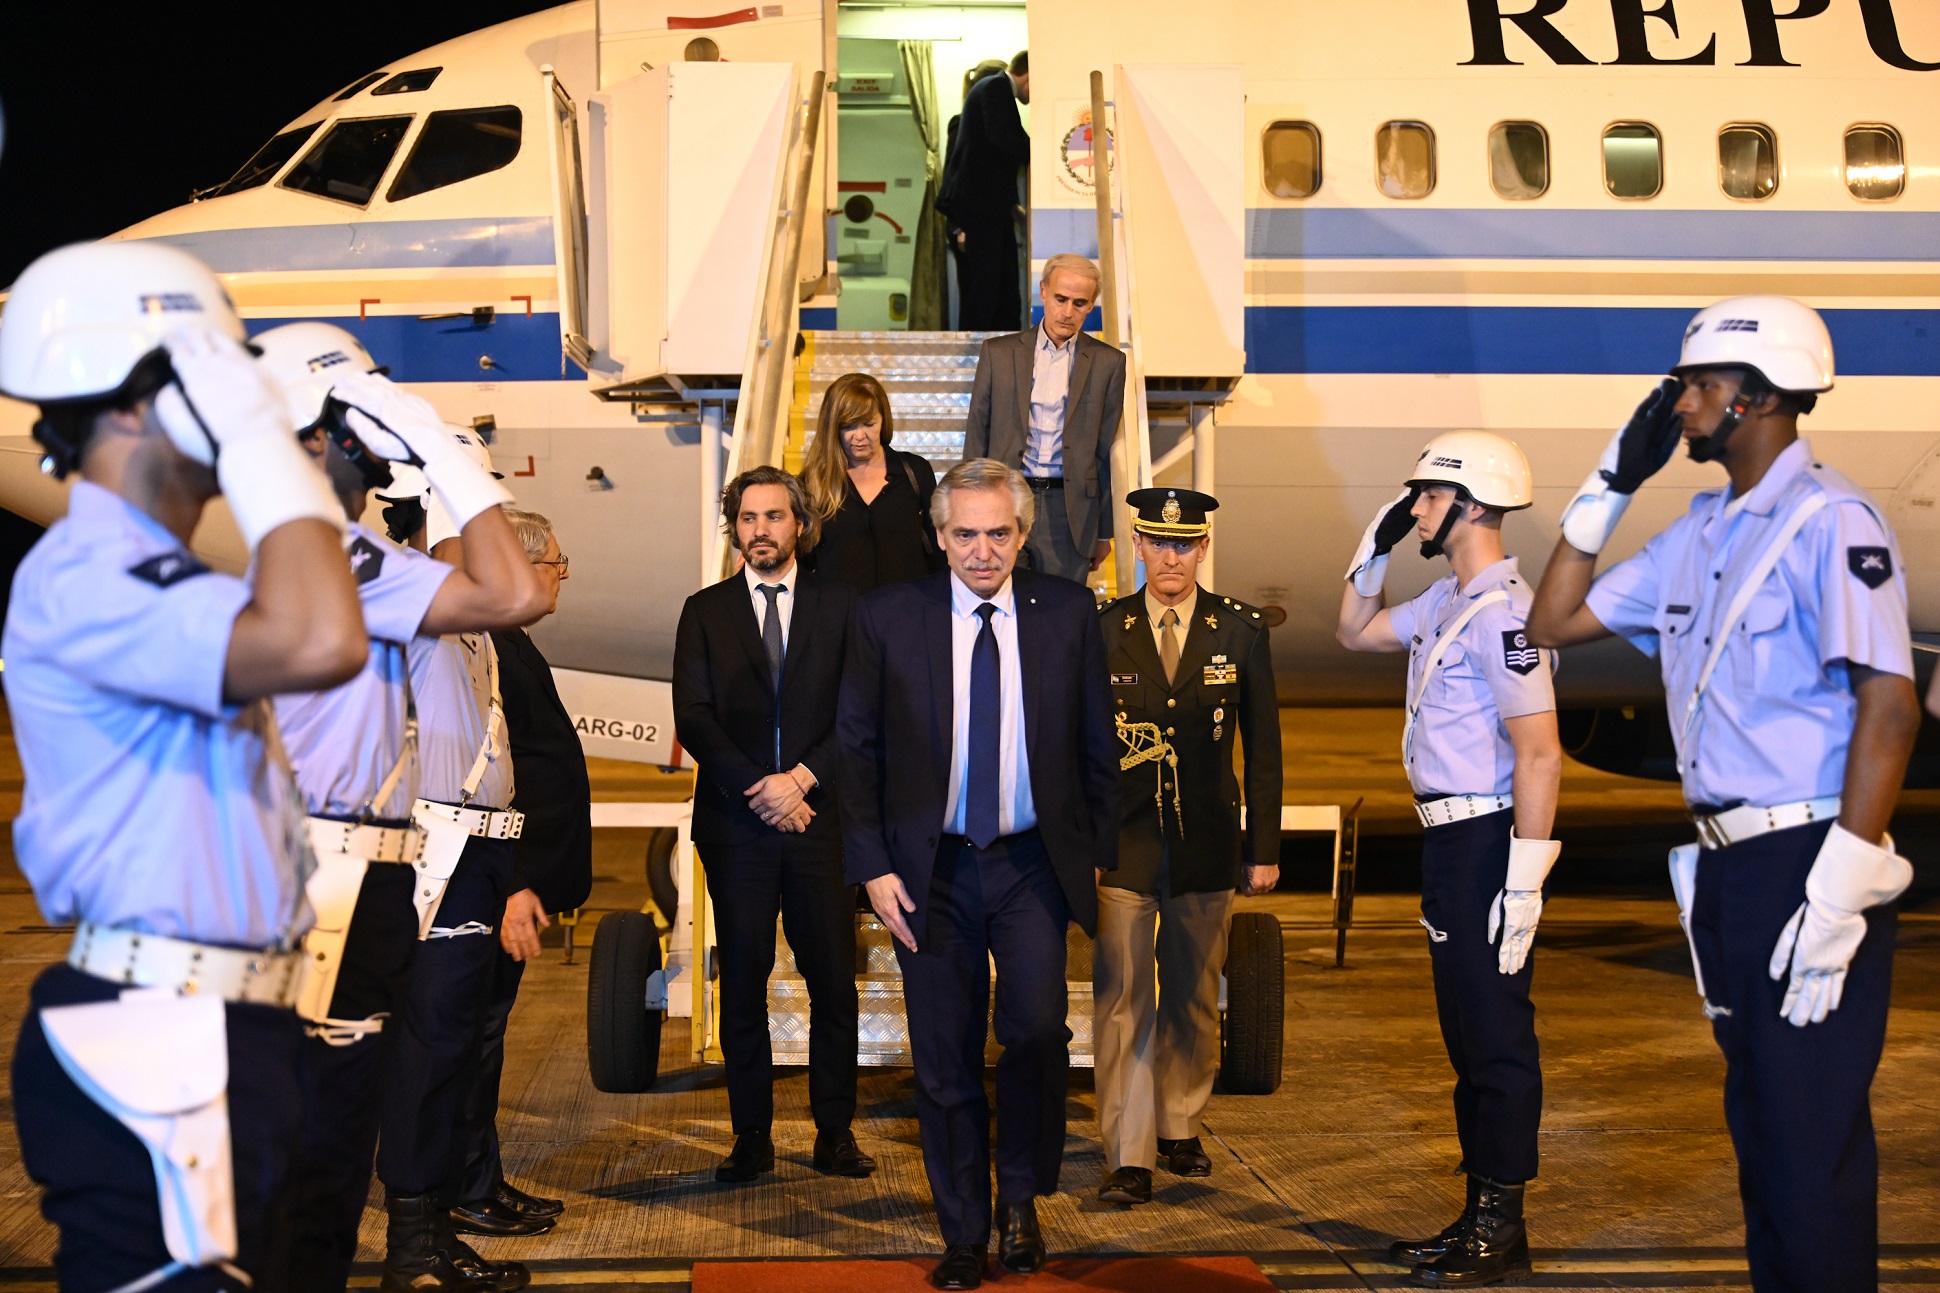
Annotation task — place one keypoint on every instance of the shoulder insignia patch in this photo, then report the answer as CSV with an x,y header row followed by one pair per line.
x,y
168,569
366,559
1517,655
1870,566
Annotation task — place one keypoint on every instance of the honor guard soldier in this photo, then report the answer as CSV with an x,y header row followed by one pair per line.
x,y
155,1081
354,749
1777,609
1191,681
1482,754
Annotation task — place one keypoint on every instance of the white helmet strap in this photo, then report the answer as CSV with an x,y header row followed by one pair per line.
x,y
1432,548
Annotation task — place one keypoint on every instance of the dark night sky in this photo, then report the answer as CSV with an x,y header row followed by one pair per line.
x,y
116,111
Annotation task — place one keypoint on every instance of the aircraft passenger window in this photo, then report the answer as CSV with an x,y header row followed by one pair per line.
x,y
456,146
1633,160
1875,165
410,82
1404,159
360,84
347,162
1290,159
1518,160
1748,162
268,160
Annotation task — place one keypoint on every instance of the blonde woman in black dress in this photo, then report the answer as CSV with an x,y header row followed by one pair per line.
x,y
873,501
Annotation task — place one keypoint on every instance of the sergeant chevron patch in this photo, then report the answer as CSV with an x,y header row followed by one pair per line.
x,y
1517,655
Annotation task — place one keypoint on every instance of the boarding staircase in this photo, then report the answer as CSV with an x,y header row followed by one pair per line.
x,y
928,376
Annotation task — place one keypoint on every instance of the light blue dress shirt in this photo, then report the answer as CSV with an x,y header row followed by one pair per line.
x,y
1490,674
1776,720
1050,393
150,804
452,679
1016,811
344,742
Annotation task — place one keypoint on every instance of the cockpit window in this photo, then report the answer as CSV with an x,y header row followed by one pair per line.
x,y
347,163
410,82
268,160
456,146
360,84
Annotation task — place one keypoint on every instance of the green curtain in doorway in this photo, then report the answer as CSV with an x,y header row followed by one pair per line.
x,y
926,276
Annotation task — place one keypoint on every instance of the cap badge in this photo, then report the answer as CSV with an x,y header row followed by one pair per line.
x,y
1171,512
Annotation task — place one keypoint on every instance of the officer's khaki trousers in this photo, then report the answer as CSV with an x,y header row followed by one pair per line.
x,y
1156,1035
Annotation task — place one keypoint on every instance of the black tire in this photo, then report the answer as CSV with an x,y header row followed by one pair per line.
x,y
660,873
622,1035
1251,1034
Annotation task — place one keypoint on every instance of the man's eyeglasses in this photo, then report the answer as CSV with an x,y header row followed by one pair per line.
x,y
563,563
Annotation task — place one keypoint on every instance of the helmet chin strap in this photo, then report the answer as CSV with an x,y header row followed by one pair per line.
x,y
1710,448
375,471
1432,548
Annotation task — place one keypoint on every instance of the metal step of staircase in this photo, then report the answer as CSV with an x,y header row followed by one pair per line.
x,y
928,376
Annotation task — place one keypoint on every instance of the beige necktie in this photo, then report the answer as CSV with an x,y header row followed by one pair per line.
x,y
1169,644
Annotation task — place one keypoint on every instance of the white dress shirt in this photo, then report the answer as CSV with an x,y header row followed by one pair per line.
x,y
1015,809
1050,392
784,602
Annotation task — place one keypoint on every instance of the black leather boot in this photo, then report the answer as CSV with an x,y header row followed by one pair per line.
x,y
423,1254
1413,1252
1494,1251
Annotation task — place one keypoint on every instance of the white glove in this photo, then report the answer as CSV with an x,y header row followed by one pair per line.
x,y
1818,943
1684,863
1636,452
1390,525
221,410
1518,904
400,426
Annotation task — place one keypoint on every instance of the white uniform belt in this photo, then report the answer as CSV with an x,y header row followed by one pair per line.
x,y
371,843
1748,822
265,978
490,823
1459,808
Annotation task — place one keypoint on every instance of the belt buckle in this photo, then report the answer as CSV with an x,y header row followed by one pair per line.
x,y
1710,834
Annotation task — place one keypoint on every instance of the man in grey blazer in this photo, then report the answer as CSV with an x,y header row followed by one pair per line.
x,y
1047,402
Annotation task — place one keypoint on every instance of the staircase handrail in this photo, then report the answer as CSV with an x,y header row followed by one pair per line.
x,y
771,335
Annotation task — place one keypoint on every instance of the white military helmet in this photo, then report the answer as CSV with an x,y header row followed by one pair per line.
x,y
82,317
1487,467
1781,340
305,360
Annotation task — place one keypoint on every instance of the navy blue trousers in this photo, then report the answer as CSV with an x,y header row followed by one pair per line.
x,y
97,1183
341,1085
1796,1099
1488,1022
1001,902
437,1028
483,1170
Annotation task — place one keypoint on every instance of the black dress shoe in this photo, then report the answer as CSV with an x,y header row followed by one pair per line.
x,y
1185,1157
961,1267
492,1217
837,1154
1020,1245
752,1155
530,1204
1127,1185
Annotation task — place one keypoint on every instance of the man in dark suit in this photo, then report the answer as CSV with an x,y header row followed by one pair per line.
x,y
979,804
757,664
552,871
1048,402
1191,682
979,195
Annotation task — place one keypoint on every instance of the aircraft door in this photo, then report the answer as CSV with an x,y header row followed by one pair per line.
x,y
568,218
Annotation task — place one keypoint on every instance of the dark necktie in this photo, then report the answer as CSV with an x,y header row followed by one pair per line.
x,y
771,643
1169,645
984,774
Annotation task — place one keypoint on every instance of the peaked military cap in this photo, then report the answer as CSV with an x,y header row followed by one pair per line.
x,y
1171,513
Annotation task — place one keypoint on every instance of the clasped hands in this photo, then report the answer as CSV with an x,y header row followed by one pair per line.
x,y
780,799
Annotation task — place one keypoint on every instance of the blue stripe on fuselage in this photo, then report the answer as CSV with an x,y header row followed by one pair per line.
x,y
372,244
1400,232
522,348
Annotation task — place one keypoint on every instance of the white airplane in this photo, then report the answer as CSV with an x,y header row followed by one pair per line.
x,y
1338,230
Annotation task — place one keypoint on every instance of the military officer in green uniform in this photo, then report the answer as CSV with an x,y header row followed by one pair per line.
x,y
1191,678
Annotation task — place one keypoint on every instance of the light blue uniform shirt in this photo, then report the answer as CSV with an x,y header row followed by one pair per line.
x,y
452,679
1016,809
1489,674
1050,392
1776,719
150,804
344,742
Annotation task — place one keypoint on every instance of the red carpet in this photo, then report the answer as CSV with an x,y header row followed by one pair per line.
x,y
910,1275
